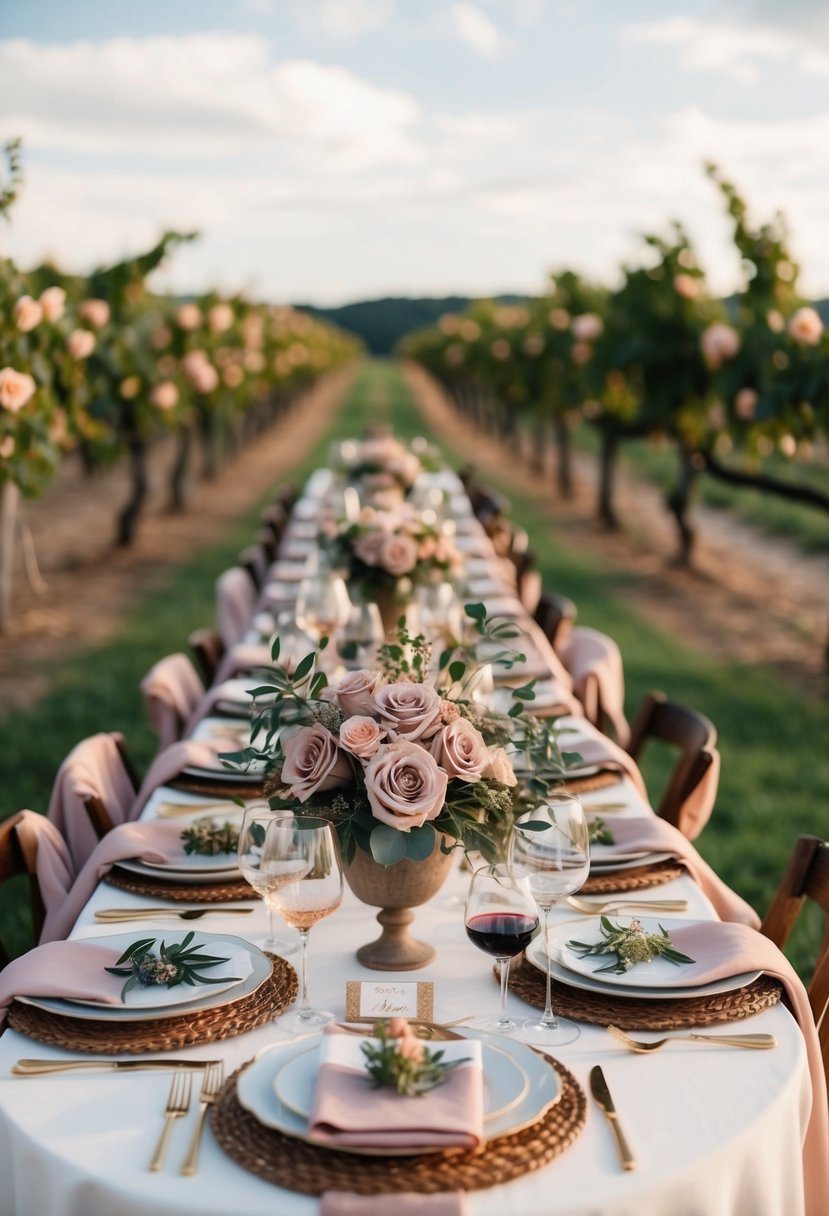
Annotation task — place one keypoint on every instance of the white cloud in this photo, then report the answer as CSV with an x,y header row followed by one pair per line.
x,y
475,128
476,30
350,19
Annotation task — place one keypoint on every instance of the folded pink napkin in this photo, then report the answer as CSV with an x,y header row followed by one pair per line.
x,y
172,690
595,662
602,751
405,1203
94,768
188,754
69,970
242,657
650,832
154,841
348,1111
721,950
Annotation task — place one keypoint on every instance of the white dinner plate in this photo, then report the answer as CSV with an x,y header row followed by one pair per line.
x,y
650,859
256,1093
183,877
206,997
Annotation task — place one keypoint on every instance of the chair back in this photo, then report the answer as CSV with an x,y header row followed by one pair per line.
x,y
689,795
527,580
208,651
32,848
594,662
94,789
235,604
556,614
806,877
254,559
172,689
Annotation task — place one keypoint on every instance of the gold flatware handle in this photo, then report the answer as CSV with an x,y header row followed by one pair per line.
x,y
173,810
191,1161
759,1042
112,915
39,1068
625,1152
161,1148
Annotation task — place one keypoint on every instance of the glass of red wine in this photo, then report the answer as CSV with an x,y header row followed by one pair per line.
x,y
501,920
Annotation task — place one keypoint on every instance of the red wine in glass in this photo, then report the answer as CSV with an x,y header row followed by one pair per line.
x,y
502,934
501,919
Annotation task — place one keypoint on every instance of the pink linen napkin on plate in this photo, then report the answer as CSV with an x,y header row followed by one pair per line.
x,y
187,754
722,950
152,841
69,970
349,1112
403,1203
650,832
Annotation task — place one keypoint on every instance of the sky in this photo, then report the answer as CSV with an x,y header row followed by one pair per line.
x,y
332,150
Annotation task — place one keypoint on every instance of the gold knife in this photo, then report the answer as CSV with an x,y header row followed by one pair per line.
x,y
37,1068
177,810
600,1091
114,915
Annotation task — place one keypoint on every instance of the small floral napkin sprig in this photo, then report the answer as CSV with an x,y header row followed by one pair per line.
x,y
403,1062
598,832
175,963
209,837
631,944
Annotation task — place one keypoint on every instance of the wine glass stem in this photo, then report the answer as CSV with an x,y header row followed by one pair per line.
x,y
270,944
304,1004
503,964
549,1018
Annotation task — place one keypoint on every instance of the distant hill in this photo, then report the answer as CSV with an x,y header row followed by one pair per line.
x,y
382,323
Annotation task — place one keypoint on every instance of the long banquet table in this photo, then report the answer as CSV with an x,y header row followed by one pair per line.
x,y
716,1131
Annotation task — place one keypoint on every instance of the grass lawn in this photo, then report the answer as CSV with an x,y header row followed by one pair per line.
x,y
775,779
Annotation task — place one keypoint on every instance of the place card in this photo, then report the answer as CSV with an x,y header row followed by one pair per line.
x,y
368,999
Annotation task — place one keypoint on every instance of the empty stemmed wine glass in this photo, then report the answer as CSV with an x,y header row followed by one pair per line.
x,y
549,846
360,637
501,920
305,850
256,869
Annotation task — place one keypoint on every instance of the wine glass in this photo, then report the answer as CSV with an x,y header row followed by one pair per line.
x,y
322,604
256,869
305,851
501,919
550,847
361,635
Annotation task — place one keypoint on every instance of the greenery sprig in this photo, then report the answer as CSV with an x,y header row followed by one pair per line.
x,y
405,1064
598,832
174,964
208,838
631,944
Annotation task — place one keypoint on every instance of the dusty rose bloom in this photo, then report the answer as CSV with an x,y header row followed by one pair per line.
x,y
233,375
461,751
314,762
588,327
411,711
449,712
499,767
7,447
355,692
369,546
745,403
164,396
806,327
205,379
80,344
27,314
404,785
130,388
559,318
410,1048
398,554
219,318
16,389
719,342
53,303
361,736
94,312
188,317
687,286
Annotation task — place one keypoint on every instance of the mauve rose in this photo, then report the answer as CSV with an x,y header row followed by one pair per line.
x,y
687,286
220,318
80,344
27,314
16,388
449,712
500,767
192,361
461,751
404,785
398,554
356,690
588,327
361,736
164,396
369,546
806,327
95,312
719,342
7,447
411,1048
409,710
314,762
188,317
53,302
745,403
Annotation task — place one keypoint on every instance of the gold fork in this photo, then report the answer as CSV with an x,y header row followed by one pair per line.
x,y
210,1086
645,905
758,1042
178,1104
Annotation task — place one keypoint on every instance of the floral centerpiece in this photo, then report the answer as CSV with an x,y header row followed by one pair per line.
x,y
379,466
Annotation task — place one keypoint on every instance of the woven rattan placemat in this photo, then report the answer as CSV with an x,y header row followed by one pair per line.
x,y
311,1169
216,789
207,893
633,880
599,781
629,1013
166,1034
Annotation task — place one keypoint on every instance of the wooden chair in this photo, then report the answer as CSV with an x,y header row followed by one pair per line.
x,y
13,864
254,559
556,614
274,518
286,496
208,650
806,877
695,737
527,580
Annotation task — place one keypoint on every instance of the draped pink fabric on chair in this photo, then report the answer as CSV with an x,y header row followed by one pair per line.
x,y
235,604
595,663
172,689
95,768
47,857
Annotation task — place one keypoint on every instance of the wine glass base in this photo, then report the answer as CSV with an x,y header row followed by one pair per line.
x,y
313,1019
540,1034
281,945
492,1025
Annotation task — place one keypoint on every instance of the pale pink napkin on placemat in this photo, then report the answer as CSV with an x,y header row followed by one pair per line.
x,y
721,950
69,970
349,1112
159,842
599,750
650,832
188,754
403,1203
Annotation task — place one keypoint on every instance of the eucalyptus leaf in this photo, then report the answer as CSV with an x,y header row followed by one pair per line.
x,y
388,845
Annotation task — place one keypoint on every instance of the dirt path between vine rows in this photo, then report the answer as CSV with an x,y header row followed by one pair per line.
x,y
90,584
749,598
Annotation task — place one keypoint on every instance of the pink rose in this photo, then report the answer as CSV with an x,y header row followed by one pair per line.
x,y
806,327
314,762
559,318
687,286
355,692
719,342
160,338
193,361
188,317
399,1028
164,396
500,767
369,546
404,785
409,710
53,302
410,1048
588,327
254,361
361,736
398,554
745,403
16,389
130,388
449,712
7,446
461,751
94,312
27,314
233,376
80,344
219,318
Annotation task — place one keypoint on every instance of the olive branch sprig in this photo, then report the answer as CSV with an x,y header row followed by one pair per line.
x,y
631,944
175,963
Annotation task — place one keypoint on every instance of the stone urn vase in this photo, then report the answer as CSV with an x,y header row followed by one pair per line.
x,y
396,889
391,608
